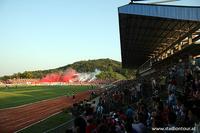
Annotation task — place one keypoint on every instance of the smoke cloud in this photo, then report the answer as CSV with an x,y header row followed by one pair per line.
x,y
70,75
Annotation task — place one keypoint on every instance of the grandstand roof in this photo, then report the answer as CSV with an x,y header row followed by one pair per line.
x,y
147,28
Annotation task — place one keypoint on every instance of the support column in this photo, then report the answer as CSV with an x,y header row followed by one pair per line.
x,y
172,52
190,39
180,46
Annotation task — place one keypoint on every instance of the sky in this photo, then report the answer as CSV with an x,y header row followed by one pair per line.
x,y
45,34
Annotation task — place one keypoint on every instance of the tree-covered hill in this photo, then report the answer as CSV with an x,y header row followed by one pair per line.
x,y
110,69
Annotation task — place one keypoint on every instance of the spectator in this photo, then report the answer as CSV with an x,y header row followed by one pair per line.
x,y
94,106
80,124
99,110
129,113
171,119
171,99
139,127
91,126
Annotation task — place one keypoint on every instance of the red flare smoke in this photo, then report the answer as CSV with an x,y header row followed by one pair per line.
x,y
67,76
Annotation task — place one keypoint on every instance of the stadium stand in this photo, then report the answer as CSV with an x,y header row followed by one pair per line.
x,y
124,108
161,41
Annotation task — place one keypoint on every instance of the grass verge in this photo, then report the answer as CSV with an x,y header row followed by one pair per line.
x,y
49,123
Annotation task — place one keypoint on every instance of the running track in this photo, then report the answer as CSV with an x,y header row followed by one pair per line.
x,y
14,119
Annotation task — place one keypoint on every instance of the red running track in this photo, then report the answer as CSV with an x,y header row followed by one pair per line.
x,y
14,119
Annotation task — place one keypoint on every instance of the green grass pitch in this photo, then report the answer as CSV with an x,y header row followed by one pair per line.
x,y
49,123
16,96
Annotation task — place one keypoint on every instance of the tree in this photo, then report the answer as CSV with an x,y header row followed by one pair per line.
x,y
110,68
27,75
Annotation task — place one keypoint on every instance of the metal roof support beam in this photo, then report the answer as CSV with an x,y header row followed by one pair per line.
x,y
152,31
178,47
190,39
172,38
182,38
196,38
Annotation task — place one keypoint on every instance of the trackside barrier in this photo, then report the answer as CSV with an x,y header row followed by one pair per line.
x,y
67,125
70,124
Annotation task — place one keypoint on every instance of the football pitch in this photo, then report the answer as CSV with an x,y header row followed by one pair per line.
x,y
17,96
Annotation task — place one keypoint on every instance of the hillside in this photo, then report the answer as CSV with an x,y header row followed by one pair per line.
x,y
110,69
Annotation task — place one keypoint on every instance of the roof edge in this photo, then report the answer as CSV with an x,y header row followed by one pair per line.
x,y
161,5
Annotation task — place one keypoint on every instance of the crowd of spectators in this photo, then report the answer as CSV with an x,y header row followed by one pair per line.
x,y
126,108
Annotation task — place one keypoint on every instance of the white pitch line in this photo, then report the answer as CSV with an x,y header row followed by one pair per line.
x,y
32,103
37,122
59,126
35,102
95,99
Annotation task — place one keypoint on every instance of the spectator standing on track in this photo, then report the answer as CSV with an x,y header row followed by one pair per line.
x,y
73,97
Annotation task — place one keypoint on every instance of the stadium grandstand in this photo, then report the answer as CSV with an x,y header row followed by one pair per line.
x,y
162,43
152,33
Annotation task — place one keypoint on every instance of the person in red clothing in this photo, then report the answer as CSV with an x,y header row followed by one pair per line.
x,y
122,115
91,126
